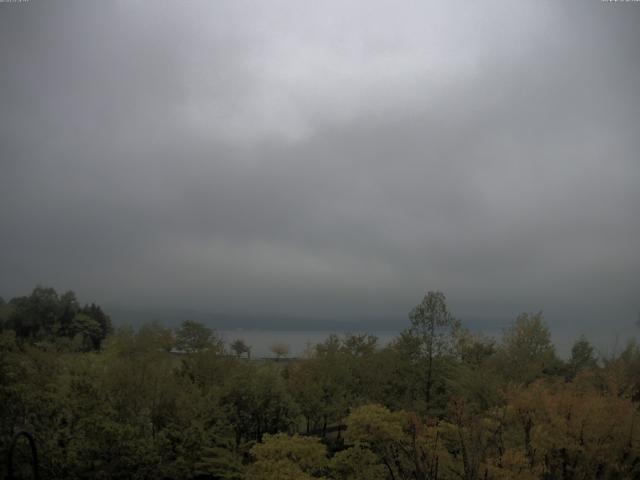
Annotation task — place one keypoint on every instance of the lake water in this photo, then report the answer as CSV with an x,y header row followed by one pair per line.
x,y
260,341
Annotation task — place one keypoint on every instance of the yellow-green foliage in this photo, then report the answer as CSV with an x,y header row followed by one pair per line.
x,y
132,409
282,456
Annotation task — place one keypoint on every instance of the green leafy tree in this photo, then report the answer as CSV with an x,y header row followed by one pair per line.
x,y
357,463
431,323
582,356
220,461
193,337
256,401
85,331
95,311
398,374
527,352
284,457
45,316
472,377
359,345
332,382
5,313
239,347
35,316
402,444
304,385
157,336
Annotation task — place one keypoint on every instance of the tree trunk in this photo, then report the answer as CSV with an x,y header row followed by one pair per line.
x,y
430,363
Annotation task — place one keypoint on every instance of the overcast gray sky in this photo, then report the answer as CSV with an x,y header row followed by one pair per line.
x,y
324,159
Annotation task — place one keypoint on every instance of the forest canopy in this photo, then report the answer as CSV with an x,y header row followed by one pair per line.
x,y
438,402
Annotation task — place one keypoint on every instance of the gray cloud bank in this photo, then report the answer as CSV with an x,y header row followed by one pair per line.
x,y
324,159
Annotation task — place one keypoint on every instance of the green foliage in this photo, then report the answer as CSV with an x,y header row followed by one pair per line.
x,y
195,337
375,427
240,348
158,403
431,326
527,352
85,330
360,345
47,317
5,312
473,350
338,375
357,463
582,356
430,322
220,462
158,336
256,401
282,456
401,443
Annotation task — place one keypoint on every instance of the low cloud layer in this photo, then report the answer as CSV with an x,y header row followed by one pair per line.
x,y
324,160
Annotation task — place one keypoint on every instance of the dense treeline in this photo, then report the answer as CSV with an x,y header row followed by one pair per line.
x,y
436,403
44,317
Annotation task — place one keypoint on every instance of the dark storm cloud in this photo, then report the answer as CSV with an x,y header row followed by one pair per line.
x,y
324,159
